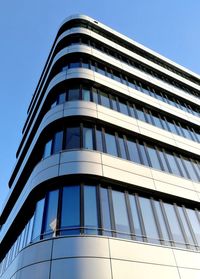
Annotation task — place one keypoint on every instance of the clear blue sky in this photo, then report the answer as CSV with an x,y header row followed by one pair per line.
x,y
27,31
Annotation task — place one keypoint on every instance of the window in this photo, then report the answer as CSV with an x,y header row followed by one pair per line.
x,y
149,220
105,211
70,212
135,218
47,149
73,138
133,151
120,214
50,224
111,146
58,140
90,210
73,94
37,226
174,225
88,138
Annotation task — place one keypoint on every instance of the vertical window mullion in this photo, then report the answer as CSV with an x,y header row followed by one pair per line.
x,y
81,209
190,226
181,226
161,238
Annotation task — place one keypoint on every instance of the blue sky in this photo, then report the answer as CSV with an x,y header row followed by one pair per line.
x,y
27,31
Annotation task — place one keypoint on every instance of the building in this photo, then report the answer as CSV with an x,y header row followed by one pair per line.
x,y
107,178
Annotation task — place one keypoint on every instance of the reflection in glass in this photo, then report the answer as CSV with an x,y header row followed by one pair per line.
x,y
51,207
70,212
105,210
120,214
149,220
90,210
37,227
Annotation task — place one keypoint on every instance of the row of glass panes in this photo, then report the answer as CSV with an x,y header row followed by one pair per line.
x,y
131,82
88,136
83,39
91,209
135,49
104,98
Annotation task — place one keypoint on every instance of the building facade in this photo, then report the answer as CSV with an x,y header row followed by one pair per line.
x,y
107,178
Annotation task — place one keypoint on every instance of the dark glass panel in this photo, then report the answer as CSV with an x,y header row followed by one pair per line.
x,y
70,212
111,146
47,149
104,99
99,143
154,157
123,108
133,151
90,210
73,94
61,98
37,227
122,148
57,143
50,222
173,164
73,138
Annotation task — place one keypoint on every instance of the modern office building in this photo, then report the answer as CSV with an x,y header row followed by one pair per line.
x,y
107,179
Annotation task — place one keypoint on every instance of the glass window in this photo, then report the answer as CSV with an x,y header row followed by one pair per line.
x,y
154,157
73,94
73,138
111,144
70,212
181,166
143,154
58,140
90,210
30,229
174,225
88,138
104,99
74,64
99,143
86,94
61,98
149,220
133,151
123,108
122,148
38,220
95,96
162,223
194,223
185,225
140,114
51,208
190,168
47,149
163,160
120,214
114,102
105,211
173,164
135,217
157,121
